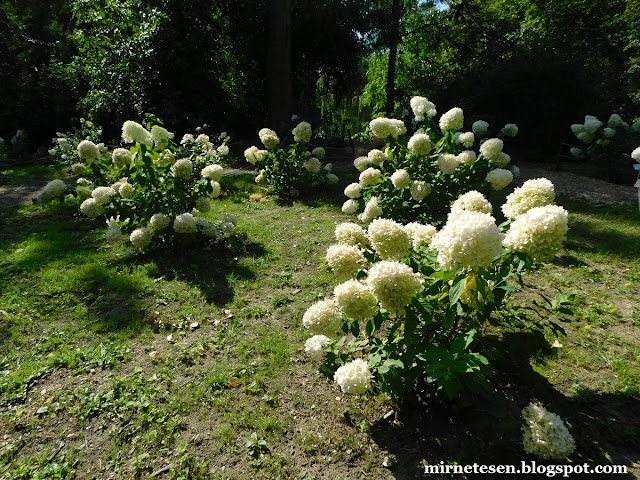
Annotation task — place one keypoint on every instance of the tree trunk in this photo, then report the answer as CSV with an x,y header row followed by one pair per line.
x,y
279,83
393,53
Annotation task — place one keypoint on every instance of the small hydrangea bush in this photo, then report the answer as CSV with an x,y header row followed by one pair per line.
x,y
415,302
65,145
289,172
154,190
417,176
606,145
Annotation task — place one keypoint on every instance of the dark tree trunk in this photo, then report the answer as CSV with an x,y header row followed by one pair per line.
x,y
279,83
393,53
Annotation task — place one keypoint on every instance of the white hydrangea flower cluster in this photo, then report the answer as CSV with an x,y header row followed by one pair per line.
x,y
318,152
350,207
468,240
102,195
419,190
302,132
545,434
636,155
159,221
448,163
369,177
160,135
499,178
121,158
539,232
421,235
362,163
422,108
389,239
87,150
345,260
616,121
467,139
351,234
212,172
314,346
354,377
533,193
91,208
356,300
377,157
184,223
53,189
472,201
452,120
419,144
133,132
400,179
140,237
385,127
480,128
394,284
182,168
371,210
126,190
323,318
467,157
491,148
269,138
353,190
509,130
313,165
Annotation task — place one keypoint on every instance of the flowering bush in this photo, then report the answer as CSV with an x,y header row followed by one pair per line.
x,y
153,190
418,175
414,299
288,173
606,145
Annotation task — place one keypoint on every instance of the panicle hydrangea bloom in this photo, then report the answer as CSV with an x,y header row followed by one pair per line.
x,y
353,190
345,260
362,163
212,172
91,208
351,234
83,181
577,128
545,434
591,123
377,157
468,157
313,165
134,132
328,167
250,154
585,137
103,195
509,130
140,237
539,232
159,221
182,168
616,121
160,135
302,132
422,107
499,178
533,193
472,201
389,239
350,207
480,128
468,240
636,126
356,300
608,132
121,157
223,150
394,284
203,204
126,190
419,144
78,168
202,139
500,160
186,139
354,377
636,154
448,163
269,138
185,223
400,179
491,147
419,190
53,189
452,120
318,152
207,228
369,177
114,222
466,139
215,189
87,150
420,234
372,209
384,127
323,317
314,346
332,179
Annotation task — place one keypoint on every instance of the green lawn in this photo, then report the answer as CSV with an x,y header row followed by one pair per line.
x,y
81,396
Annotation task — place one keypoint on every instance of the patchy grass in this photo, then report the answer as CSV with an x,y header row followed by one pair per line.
x,y
91,387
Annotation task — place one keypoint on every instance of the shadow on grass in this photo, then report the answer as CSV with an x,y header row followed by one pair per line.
x,y
605,426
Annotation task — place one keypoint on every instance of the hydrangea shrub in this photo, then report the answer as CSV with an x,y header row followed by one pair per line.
x,y
289,172
414,301
152,189
419,174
